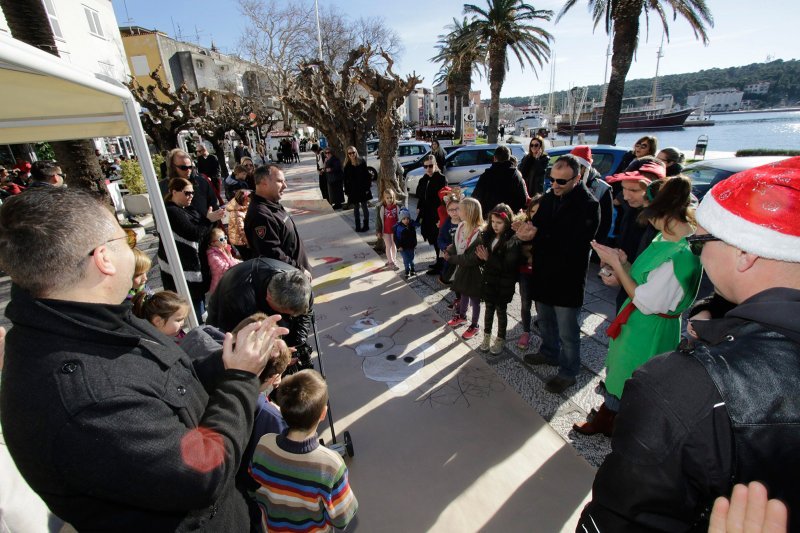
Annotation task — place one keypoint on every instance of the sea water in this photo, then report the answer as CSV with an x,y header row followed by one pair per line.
x,y
731,132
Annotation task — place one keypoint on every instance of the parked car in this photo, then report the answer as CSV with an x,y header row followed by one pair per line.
x,y
608,158
464,163
706,174
411,165
407,152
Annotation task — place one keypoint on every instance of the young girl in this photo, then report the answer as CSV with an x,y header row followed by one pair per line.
x,y
166,310
143,265
219,256
462,254
526,274
385,219
500,253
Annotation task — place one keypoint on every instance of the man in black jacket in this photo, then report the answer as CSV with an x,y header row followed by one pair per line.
x,y
180,165
104,416
269,228
564,225
725,410
501,184
268,286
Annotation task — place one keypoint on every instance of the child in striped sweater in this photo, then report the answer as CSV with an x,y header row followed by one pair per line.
x,y
303,487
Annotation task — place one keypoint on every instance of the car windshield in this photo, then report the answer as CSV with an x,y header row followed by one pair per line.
x,y
702,175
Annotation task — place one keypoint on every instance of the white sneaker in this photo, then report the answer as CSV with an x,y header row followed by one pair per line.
x,y
497,346
486,344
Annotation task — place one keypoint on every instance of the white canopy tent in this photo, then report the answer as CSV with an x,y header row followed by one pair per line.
x,y
43,98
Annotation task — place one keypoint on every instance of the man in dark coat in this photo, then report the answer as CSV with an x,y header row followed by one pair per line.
x,y
268,286
725,410
269,228
105,417
501,184
564,226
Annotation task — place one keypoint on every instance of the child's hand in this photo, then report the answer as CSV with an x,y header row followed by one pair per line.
x,y
482,252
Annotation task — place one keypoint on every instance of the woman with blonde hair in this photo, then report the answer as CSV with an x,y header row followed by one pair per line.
x,y
468,278
357,186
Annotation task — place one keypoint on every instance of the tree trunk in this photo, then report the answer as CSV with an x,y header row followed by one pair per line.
x,y
626,30
28,22
497,74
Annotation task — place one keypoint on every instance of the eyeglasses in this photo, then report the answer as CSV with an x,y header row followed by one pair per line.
x,y
185,167
188,193
697,242
130,235
562,181
222,239
427,166
452,209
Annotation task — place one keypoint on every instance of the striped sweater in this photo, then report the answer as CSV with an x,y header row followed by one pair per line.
x,y
303,487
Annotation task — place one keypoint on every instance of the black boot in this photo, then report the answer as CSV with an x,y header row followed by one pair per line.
x,y
435,268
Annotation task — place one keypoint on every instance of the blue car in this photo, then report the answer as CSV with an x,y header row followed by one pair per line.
x,y
606,159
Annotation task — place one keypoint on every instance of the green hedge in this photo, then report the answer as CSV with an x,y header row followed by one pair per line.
x,y
766,151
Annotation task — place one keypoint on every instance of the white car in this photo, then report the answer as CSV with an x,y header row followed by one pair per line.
x,y
467,162
407,151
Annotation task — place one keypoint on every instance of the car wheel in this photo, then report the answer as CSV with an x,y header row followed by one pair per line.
x,y
373,174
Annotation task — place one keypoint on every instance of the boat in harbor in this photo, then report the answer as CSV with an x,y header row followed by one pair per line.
x,y
639,113
646,117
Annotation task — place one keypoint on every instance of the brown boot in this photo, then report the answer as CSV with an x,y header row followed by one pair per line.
x,y
603,422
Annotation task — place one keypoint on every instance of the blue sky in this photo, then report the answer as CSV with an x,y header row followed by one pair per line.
x,y
744,32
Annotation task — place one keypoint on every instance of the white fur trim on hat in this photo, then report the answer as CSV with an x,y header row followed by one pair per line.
x,y
745,235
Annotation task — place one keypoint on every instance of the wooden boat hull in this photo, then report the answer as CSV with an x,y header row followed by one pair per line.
x,y
638,122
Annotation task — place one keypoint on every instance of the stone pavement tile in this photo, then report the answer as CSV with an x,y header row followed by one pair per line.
x,y
601,307
594,325
593,355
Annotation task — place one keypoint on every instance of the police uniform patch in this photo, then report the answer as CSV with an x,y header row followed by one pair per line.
x,y
261,231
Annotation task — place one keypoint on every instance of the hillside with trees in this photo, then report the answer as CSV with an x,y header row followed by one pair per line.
x,y
783,76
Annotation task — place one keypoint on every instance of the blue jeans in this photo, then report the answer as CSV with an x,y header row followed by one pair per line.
x,y
525,294
408,259
561,337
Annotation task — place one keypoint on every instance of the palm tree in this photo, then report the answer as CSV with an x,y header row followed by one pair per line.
x,y
506,24
460,58
622,18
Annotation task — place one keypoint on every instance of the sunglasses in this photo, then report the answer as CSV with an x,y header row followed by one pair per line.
x,y
188,193
562,181
642,145
185,167
536,145
427,166
696,242
351,153
130,236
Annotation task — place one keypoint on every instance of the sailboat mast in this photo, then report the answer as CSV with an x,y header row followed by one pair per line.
x,y
605,72
659,55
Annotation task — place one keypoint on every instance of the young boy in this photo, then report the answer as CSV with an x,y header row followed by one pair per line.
x,y
405,235
303,486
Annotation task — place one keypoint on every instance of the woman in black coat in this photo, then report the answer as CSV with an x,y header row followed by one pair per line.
x,y
190,231
357,186
428,206
333,174
533,166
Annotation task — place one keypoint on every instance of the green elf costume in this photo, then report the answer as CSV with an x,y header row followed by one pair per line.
x,y
635,336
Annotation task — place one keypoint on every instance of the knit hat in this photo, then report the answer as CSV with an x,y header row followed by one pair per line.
x,y
757,210
404,213
636,175
583,154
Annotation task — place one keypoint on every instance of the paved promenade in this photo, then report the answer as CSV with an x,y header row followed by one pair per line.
x,y
446,438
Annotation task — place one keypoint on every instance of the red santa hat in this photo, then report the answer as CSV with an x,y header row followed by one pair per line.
x,y
583,154
757,210
654,169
